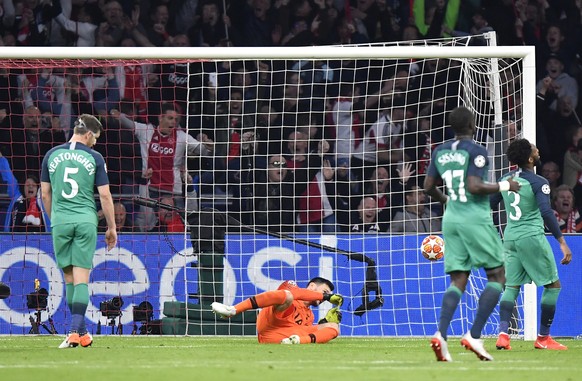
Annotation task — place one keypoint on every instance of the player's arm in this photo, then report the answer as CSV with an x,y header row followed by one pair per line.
x,y
107,207
476,185
102,183
542,193
431,180
430,188
47,197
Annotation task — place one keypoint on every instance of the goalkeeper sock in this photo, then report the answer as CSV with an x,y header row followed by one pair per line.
x,y
266,299
548,306
69,291
321,336
506,307
450,302
487,302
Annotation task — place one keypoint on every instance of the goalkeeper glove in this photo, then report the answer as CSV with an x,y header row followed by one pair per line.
x,y
336,299
333,316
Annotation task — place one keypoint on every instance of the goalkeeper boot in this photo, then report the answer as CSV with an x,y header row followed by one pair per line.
x,y
293,339
71,341
546,342
86,340
503,341
223,310
475,346
440,347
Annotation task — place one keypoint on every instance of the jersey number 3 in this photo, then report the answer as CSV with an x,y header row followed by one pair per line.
x,y
67,179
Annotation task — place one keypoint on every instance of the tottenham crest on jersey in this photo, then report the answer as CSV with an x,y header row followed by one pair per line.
x,y
480,161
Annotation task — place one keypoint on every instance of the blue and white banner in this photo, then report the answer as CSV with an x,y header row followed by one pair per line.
x,y
158,268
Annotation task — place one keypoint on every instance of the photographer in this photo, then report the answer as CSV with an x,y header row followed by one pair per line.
x,y
573,163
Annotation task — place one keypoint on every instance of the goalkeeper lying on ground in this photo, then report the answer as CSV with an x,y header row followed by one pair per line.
x,y
286,316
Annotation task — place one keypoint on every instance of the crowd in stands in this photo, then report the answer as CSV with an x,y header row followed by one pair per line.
x,y
292,146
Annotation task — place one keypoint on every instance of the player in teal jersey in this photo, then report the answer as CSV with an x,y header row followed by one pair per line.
x,y
69,175
470,236
528,255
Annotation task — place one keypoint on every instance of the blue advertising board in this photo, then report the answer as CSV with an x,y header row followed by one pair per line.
x,y
158,268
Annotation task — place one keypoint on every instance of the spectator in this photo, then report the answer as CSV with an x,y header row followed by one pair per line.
x,y
416,217
346,190
163,150
169,221
274,204
388,189
315,211
562,84
551,171
563,203
432,20
553,45
113,29
121,222
25,213
156,29
366,220
28,145
553,126
84,28
212,30
258,24
573,161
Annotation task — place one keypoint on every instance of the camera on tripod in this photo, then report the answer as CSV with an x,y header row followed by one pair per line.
x,y
37,300
143,313
111,308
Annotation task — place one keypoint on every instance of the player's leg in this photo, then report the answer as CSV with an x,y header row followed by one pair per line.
x,y
543,270
515,276
548,311
457,265
83,251
316,334
63,238
486,252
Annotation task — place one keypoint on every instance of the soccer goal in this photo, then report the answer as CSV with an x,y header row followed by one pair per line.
x,y
316,157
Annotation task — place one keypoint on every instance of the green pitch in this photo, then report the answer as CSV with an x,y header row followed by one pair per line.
x,y
220,358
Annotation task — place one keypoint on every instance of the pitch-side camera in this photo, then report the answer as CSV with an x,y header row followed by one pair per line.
x,y
112,307
37,300
143,312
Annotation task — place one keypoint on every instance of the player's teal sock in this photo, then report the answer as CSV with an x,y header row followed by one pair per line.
x,y
69,291
487,302
451,300
548,302
79,307
506,307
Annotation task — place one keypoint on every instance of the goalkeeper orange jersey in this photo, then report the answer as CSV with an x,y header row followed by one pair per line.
x,y
273,326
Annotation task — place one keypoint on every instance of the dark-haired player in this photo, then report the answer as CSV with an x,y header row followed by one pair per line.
x,y
471,238
286,316
70,173
528,255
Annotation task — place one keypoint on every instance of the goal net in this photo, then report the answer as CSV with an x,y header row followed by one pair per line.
x,y
307,162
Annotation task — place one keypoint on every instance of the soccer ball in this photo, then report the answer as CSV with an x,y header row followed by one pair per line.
x,y
433,248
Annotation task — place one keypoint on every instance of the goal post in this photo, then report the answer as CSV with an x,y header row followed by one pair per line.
x,y
329,89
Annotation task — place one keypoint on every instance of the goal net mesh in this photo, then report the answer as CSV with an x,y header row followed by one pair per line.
x,y
315,168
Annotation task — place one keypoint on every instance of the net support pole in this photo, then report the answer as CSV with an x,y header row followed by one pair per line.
x,y
530,300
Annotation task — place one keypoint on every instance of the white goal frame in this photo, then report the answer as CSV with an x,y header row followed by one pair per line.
x,y
526,53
